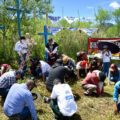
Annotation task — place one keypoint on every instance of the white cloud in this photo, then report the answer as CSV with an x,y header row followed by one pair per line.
x,y
115,5
89,7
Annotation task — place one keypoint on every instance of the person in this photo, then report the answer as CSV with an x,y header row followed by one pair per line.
x,y
94,81
7,80
113,74
57,71
51,49
106,55
81,56
4,68
82,68
62,101
43,69
68,62
21,48
20,104
116,97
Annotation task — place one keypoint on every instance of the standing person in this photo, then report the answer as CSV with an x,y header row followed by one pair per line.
x,y
106,55
7,80
51,48
21,48
116,97
94,81
20,105
62,101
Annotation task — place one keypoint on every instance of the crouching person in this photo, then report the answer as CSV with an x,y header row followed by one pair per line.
x,y
19,102
116,97
62,101
94,81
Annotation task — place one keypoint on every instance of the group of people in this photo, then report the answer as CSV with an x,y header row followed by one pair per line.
x,y
55,73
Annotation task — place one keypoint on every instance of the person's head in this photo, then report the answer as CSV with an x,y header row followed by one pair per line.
x,y
65,59
30,84
59,62
22,38
56,81
50,41
105,47
19,74
102,76
93,65
113,67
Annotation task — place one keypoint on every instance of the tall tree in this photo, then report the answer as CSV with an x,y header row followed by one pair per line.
x,y
102,17
116,15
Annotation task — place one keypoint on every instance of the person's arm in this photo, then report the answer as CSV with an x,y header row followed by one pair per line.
x,y
43,77
46,49
97,85
116,109
2,69
55,50
78,74
30,104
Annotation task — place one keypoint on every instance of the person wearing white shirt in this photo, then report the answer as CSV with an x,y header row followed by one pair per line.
x,y
21,49
43,69
106,55
62,101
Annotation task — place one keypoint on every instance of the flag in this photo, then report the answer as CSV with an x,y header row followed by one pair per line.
x,y
53,19
70,19
72,28
89,31
54,30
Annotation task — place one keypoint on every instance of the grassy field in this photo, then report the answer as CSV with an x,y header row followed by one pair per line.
x,y
89,108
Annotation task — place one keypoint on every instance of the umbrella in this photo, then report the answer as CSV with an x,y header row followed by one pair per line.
x,y
111,46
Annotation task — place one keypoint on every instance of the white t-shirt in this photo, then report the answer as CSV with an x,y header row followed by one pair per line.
x,y
78,66
45,67
21,47
65,99
106,56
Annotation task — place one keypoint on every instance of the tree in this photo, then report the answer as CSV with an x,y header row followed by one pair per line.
x,y
116,15
102,17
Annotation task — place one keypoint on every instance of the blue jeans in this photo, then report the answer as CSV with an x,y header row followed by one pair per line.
x,y
25,114
106,66
4,92
113,79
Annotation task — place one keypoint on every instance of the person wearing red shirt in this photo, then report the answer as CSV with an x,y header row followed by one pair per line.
x,y
94,81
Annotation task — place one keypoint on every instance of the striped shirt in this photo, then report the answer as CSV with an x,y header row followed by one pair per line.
x,y
8,79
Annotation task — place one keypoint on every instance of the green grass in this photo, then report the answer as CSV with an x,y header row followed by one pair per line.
x,y
89,108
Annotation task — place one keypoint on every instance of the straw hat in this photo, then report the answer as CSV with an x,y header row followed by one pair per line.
x,y
65,59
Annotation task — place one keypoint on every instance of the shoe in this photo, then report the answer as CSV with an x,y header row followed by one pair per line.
x,y
46,99
86,94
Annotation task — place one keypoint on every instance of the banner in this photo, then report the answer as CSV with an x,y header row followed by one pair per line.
x,y
54,30
54,20
92,44
89,31
70,19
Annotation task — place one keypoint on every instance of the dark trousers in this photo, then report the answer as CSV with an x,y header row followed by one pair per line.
x,y
24,115
4,92
56,111
106,66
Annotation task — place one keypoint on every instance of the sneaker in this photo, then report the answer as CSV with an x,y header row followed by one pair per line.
x,y
46,99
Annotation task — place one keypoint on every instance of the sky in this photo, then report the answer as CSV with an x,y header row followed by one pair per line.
x,y
82,8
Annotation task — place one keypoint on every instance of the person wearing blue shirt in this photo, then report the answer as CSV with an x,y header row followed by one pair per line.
x,y
116,97
19,102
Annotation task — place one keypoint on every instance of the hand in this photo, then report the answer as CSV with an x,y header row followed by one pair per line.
x,y
115,111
